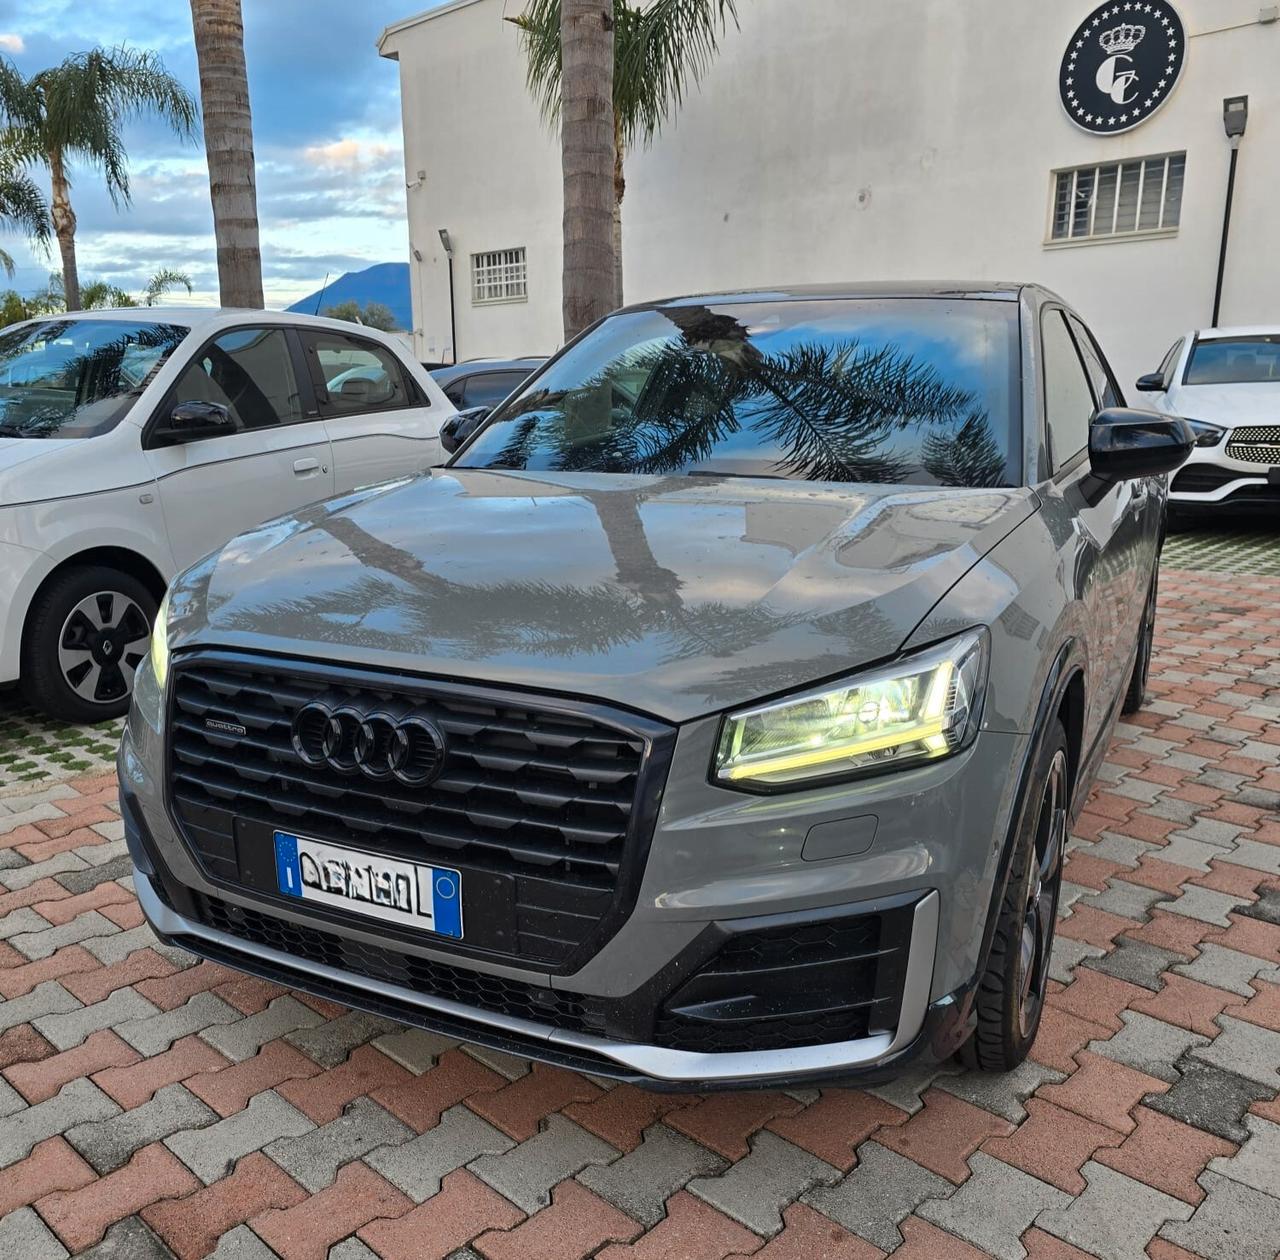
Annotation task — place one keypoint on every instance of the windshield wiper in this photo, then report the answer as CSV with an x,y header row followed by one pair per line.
x,y
711,472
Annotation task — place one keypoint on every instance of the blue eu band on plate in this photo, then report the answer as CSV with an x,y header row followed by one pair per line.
x,y
425,897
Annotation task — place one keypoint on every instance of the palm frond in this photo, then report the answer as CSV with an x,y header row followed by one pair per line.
x,y
969,457
539,27
22,204
164,280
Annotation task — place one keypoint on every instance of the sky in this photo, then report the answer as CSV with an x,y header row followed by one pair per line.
x,y
327,136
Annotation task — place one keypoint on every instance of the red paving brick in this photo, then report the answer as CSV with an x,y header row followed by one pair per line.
x,y
691,1230
724,1122
132,1086
1097,997
1249,936
1187,1003
928,1242
93,985
1062,1036
1166,1154
519,1108
15,981
464,1208
944,1133
1176,932
41,1080
52,1165
323,1097
840,1121
808,1235
1093,926
1053,1144
621,1115
576,1224
1042,1246
1104,1091
168,992
1263,1008
22,1044
65,908
249,994
228,1090
455,1077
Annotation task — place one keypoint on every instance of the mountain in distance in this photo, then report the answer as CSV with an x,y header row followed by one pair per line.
x,y
387,283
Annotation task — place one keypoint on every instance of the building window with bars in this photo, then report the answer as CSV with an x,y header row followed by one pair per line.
x,y
1142,196
499,276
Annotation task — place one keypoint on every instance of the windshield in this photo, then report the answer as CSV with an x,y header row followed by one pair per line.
x,y
910,391
72,378
1235,361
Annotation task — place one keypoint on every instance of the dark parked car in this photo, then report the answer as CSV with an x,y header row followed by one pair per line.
x,y
484,382
716,717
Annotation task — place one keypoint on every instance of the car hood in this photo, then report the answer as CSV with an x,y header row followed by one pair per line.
x,y
1228,404
669,595
36,470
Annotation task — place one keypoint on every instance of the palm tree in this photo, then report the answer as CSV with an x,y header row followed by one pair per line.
x,y
22,208
228,142
660,50
76,111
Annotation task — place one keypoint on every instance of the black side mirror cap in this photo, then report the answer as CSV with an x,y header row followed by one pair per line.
x,y
193,420
1125,444
458,428
1152,383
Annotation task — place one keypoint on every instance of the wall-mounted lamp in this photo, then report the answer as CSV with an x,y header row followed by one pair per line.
x,y
447,242
1235,118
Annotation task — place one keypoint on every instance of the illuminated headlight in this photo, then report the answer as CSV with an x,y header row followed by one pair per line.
x,y
1206,434
160,643
920,708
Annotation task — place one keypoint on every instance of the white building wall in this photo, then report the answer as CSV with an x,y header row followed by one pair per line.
x,y
846,140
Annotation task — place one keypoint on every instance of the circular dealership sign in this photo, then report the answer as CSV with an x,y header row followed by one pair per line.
x,y
1121,64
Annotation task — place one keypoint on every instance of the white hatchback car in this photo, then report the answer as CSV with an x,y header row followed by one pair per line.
x,y
1226,382
133,442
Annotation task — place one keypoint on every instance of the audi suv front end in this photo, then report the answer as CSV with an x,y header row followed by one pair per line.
x,y
715,717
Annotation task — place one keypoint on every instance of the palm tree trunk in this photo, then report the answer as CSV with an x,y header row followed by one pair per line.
x,y
64,224
587,161
228,142
619,191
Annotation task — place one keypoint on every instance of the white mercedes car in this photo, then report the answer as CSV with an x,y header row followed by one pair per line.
x,y
133,442
1226,382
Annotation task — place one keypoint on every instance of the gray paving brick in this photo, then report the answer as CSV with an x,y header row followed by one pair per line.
x,y
1206,904
40,811
414,1048
108,1144
81,877
24,1236
1115,1217
1246,1049
1266,908
241,1243
102,855
10,1099
1234,1222
61,865
1225,969
41,944
113,830
48,998
243,1039
1003,1093
756,1189
904,1091
313,1158
354,1249
507,1065
23,921
1130,901
882,1191
1139,962
1067,954
332,1041
70,1029
156,1033
112,949
1180,851
1020,1199
1258,798
129,1239
75,1103
212,1153
1259,857
418,1166
11,859
1257,1162
1123,849
1139,789
526,1173
20,801
1211,831
1210,1099
1150,1045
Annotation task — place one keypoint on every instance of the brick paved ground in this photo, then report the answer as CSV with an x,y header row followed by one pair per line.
x,y
152,1107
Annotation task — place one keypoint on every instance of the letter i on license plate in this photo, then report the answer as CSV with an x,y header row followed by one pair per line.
x,y
424,897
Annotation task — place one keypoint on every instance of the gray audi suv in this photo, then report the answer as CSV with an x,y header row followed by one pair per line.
x,y
715,717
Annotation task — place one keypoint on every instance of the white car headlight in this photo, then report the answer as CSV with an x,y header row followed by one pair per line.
x,y
160,643
916,709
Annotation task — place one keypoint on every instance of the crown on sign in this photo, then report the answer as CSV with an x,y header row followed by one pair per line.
x,y
1124,38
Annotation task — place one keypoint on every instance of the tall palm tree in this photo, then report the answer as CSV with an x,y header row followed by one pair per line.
x,y
76,111
585,36
661,49
228,142
22,205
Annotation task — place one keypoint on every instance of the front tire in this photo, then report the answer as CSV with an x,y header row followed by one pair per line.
x,y
87,632
1011,991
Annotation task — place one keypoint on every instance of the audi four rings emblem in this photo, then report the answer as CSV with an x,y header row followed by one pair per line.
x,y
404,746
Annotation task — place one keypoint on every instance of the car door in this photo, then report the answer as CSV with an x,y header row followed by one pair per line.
x,y
276,459
380,422
1099,511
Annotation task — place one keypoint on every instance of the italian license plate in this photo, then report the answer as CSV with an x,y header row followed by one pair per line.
x,y
424,897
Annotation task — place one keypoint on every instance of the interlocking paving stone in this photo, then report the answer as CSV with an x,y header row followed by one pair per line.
x,y
80,877
23,921
40,944
874,1199
157,1032
313,1159
1245,1049
526,1173
1115,1217
1130,901
1067,954
1211,1099
77,1102
415,1048
1205,904
24,1236
1003,1093
114,949
72,1027
756,1189
49,998
62,865
1150,1045
906,1091
1235,1222
1266,908
1139,962
1224,969
968,1213
1257,1162
244,1038
641,1182
211,1153
129,1239
108,1144
418,1166
331,1042
241,1243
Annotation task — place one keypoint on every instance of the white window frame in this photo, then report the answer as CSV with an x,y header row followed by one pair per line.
x,y
499,276
1116,236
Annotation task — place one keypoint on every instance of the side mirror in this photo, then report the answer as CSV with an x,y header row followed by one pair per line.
x,y
1126,444
191,421
1152,383
458,428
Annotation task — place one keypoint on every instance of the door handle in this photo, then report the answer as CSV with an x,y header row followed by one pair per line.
x,y
303,467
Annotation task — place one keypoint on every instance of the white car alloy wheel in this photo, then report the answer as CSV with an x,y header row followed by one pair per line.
x,y
104,639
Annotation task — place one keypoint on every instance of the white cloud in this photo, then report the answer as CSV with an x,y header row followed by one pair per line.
x,y
11,43
350,154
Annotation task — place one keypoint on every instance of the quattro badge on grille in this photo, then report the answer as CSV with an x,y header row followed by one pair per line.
x,y
380,744
216,726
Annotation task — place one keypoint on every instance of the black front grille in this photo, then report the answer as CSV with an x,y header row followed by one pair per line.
x,y
546,806
1204,478
795,985
471,988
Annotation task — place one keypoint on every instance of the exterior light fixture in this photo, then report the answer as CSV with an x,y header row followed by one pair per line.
x,y
1235,117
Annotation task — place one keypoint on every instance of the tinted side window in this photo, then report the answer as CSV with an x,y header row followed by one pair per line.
x,y
250,372
1068,399
359,376
1105,389
488,389
456,392
1170,364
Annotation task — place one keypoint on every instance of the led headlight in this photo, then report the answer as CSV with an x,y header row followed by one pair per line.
x,y
1206,434
160,643
917,709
